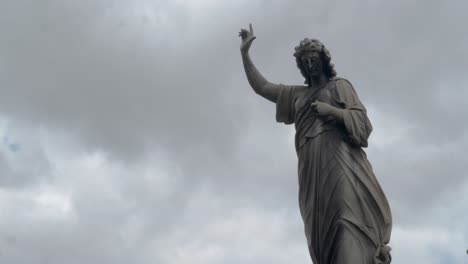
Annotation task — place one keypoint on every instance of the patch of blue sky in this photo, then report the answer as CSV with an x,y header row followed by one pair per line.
x,y
12,146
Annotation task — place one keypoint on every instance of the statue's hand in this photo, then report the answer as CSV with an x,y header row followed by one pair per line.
x,y
321,108
247,38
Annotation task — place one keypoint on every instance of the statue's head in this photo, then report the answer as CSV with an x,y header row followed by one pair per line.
x,y
313,59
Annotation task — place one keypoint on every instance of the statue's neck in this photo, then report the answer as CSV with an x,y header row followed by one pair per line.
x,y
319,81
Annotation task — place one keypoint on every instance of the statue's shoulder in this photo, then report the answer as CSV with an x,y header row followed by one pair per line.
x,y
291,91
340,81
296,88
301,87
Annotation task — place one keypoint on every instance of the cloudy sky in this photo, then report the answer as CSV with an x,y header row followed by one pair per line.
x,y
129,133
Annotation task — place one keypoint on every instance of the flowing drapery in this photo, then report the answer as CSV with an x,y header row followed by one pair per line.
x,y
346,215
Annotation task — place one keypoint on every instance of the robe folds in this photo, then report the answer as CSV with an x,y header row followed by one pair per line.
x,y
346,215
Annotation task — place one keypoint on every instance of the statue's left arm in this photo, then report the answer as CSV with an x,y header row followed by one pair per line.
x,y
353,114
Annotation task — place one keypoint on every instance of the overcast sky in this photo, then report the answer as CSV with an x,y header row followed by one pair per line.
x,y
129,133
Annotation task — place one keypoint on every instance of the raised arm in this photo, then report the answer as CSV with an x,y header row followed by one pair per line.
x,y
259,84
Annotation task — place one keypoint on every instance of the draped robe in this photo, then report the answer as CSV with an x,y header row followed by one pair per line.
x,y
346,215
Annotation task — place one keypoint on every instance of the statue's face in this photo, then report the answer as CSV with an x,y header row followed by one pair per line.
x,y
312,63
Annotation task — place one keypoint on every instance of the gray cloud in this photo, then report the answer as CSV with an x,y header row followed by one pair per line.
x,y
147,131
23,164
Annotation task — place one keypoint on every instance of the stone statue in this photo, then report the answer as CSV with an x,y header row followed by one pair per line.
x,y
347,218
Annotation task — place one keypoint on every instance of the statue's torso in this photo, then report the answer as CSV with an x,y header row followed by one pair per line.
x,y
308,124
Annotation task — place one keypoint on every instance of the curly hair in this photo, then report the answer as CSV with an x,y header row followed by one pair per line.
x,y
314,45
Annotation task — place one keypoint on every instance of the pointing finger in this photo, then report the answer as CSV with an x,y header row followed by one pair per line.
x,y
251,29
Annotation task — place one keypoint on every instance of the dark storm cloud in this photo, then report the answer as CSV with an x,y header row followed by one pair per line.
x,y
117,80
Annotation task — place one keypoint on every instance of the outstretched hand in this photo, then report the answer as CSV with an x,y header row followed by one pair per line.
x,y
247,37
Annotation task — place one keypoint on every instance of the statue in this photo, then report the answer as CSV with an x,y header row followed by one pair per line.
x,y
347,218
